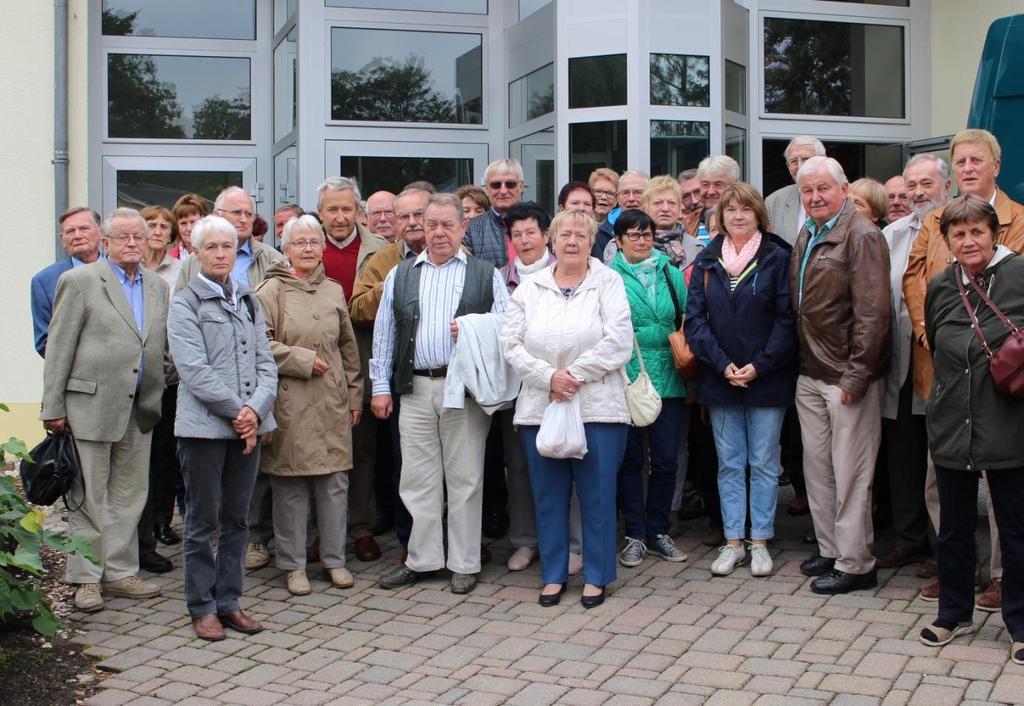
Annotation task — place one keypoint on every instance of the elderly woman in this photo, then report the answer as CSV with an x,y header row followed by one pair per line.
x,y
159,234
657,298
319,383
218,341
974,428
871,199
739,322
568,333
604,185
576,195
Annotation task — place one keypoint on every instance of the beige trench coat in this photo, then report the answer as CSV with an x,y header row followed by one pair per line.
x,y
305,319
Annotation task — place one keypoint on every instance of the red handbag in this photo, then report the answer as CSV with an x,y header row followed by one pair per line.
x,y
1006,364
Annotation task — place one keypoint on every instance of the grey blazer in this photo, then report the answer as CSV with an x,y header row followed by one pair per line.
x,y
784,212
223,359
93,353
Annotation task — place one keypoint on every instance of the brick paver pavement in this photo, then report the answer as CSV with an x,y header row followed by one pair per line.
x,y
668,634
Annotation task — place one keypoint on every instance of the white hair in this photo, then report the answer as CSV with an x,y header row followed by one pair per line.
x,y
805,141
301,223
815,164
505,166
718,164
208,225
218,205
634,173
122,213
938,162
337,183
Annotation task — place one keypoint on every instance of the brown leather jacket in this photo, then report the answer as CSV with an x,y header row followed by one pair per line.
x,y
844,320
929,257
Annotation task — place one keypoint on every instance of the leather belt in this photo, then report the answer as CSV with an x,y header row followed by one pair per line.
x,y
431,372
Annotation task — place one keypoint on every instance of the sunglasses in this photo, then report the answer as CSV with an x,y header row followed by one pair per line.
x,y
495,185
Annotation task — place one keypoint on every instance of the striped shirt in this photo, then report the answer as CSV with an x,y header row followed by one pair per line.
x,y
439,296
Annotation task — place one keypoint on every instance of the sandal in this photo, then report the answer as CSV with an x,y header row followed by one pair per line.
x,y
1017,653
935,636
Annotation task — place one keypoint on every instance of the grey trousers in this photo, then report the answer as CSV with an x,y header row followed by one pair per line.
x,y
219,480
292,498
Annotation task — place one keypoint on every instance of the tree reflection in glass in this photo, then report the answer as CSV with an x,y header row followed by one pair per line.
x,y
678,79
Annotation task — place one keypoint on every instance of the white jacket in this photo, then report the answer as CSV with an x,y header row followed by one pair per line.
x,y
590,333
477,366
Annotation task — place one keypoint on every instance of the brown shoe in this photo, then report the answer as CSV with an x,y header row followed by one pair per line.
x,y
929,569
209,628
714,537
367,549
930,592
798,506
896,557
241,622
991,601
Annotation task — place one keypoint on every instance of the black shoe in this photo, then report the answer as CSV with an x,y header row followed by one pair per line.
x,y
551,599
166,535
593,601
809,537
836,581
402,576
817,566
495,525
155,563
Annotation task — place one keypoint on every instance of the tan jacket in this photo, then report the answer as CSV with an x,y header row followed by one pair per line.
x,y
929,256
306,319
369,287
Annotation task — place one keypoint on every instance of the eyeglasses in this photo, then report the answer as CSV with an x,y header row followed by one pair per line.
x,y
381,214
237,213
126,238
631,192
404,217
303,244
635,235
797,161
509,184
604,194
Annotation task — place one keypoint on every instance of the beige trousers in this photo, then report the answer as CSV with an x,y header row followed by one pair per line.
x,y
931,501
840,447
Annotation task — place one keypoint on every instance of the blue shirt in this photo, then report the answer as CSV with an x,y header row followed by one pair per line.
x,y
240,272
133,293
817,235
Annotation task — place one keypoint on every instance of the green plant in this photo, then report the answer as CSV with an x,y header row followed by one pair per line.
x,y
21,537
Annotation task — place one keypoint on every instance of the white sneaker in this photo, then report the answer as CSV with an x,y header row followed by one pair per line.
x,y
521,558
256,556
298,584
88,598
131,587
341,577
760,560
575,563
729,557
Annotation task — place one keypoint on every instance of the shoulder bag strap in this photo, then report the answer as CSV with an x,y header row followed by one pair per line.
x,y
675,300
958,276
995,310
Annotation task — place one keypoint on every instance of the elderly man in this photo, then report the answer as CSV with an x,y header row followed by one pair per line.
x,y
716,173
632,185
80,236
283,214
899,202
348,248
485,237
927,182
442,448
103,380
840,267
380,215
975,155
689,189
785,208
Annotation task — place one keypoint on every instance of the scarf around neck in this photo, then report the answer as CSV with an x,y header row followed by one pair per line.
x,y
735,262
537,266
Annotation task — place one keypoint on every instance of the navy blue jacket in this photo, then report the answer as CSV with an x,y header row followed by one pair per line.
x,y
754,324
42,291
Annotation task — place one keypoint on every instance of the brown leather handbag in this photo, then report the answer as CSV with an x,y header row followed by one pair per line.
x,y
685,359
1006,364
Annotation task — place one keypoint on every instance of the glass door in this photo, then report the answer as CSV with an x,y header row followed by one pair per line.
x,y
135,182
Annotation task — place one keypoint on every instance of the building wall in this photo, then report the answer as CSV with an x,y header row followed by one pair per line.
x,y
958,36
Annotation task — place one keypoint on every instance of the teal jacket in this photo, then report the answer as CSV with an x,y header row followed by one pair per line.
x,y
652,325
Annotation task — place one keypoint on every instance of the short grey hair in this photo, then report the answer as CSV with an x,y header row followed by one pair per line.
x,y
446,199
218,205
505,166
686,174
718,164
634,173
805,141
125,213
297,223
815,164
337,183
208,225
938,162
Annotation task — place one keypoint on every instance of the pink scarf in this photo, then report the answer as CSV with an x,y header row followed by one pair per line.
x,y
736,262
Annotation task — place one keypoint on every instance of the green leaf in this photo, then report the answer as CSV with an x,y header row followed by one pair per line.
x,y
46,622
16,447
25,600
33,520
4,407
28,559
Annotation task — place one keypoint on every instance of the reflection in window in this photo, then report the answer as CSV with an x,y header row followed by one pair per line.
x,y
735,87
833,68
678,144
877,160
536,153
736,147
178,97
392,173
531,96
678,79
597,80
471,7
285,71
136,188
593,145
199,19
409,77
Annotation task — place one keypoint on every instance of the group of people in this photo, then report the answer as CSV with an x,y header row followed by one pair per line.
x,y
397,368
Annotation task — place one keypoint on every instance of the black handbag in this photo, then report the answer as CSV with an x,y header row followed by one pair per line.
x,y
52,470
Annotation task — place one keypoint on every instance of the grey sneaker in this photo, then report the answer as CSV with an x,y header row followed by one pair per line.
x,y
401,575
633,553
729,557
88,598
664,547
463,583
760,560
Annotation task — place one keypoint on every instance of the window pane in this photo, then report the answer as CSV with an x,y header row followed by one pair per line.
x,y
593,145
597,80
735,87
528,7
895,3
200,19
136,189
285,106
677,79
472,7
877,160
283,11
736,147
678,144
155,96
531,96
392,173
412,77
833,68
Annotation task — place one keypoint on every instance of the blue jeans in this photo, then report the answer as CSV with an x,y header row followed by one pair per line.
x,y
647,523
748,437
551,480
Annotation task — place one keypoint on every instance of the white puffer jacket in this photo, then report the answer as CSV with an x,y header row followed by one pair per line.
x,y
590,333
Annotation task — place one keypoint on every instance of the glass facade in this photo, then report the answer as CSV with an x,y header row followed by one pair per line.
x,y
138,188
198,19
475,7
597,80
859,159
735,87
677,79
678,144
393,173
531,96
593,145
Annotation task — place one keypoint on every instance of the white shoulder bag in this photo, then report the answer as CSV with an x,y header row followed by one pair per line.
x,y
642,399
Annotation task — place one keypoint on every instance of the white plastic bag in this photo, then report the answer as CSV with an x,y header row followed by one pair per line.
x,y
561,432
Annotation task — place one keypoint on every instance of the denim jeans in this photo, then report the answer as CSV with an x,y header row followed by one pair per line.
x,y
748,437
646,523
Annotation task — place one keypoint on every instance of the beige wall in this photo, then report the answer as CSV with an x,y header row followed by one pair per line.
x,y
958,35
